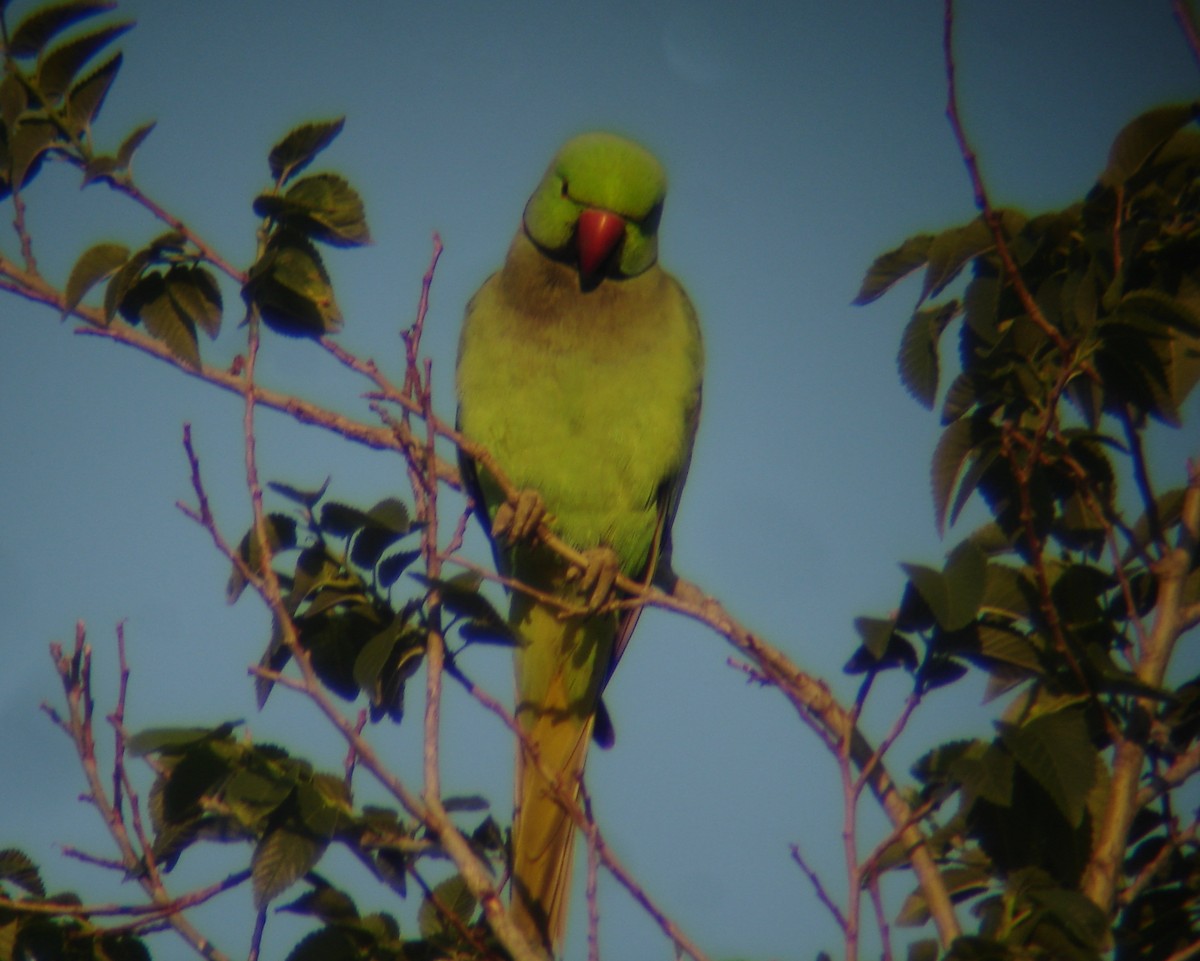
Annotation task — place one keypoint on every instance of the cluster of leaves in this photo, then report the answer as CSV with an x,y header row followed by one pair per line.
x,y
449,924
337,567
288,284
48,104
31,928
213,787
1053,596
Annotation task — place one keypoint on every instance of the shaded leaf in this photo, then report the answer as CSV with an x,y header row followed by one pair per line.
x,y
131,143
195,297
154,306
324,902
93,266
958,446
893,266
292,290
298,148
1141,137
917,359
42,26
306,498
964,577
280,859
394,565
18,868
57,69
1057,751
452,896
950,251
32,139
87,97
326,944
13,99
324,207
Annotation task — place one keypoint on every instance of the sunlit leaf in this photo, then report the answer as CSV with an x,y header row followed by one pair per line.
x,y
324,207
292,289
296,150
93,266
280,859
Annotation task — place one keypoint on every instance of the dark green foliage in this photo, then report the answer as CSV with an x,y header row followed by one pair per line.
x,y
27,932
1050,598
337,565
288,284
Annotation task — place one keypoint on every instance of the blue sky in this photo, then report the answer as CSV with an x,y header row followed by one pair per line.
x,y
801,138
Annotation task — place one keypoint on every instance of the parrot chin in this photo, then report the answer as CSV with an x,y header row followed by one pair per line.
x,y
596,237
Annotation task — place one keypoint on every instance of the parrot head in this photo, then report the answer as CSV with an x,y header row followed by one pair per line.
x,y
598,206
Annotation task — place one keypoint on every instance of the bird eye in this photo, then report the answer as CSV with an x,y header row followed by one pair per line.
x,y
565,189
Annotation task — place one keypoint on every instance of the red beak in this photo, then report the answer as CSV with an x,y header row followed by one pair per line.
x,y
595,238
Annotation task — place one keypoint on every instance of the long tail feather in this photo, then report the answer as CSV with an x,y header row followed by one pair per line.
x,y
560,665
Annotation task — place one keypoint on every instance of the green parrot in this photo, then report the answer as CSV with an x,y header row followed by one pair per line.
x,y
579,371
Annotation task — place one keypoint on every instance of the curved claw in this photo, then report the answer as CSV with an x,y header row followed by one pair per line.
x,y
597,576
519,522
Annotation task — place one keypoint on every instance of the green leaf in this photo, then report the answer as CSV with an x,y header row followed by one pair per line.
x,y
394,565
959,445
893,266
452,896
280,859
57,69
932,587
950,251
13,99
42,26
306,498
281,535
123,282
326,944
18,868
917,359
131,143
291,288
1057,752
964,577
1156,308
173,740
196,297
324,902
875,634
151,300
296,150
1141,137
93,266
324,207
32,139
87,97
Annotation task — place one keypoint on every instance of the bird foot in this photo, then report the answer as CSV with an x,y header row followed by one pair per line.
x,y
597,576
519,522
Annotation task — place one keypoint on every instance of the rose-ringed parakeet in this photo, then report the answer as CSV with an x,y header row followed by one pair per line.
x,y
579,371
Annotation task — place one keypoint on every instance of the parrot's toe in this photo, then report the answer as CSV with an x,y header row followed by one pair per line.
x,y
598,575
519,522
